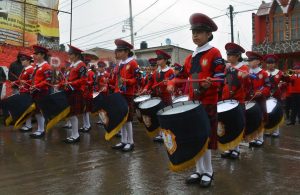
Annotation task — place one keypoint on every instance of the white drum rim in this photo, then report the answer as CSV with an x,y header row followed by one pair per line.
x,y
177,99
269,110
251,103
151,99
227,101
137,98
168,108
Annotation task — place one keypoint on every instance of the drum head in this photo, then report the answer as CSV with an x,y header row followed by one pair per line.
x,y
249,105
142,98
271,104
226,105
180,107
182,98
149,103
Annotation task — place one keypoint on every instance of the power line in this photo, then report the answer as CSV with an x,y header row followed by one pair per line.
x,y
207,5
157,16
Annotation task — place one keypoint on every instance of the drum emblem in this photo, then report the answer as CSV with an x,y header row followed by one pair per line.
x,y
147,121
260,76
169,141
104,117
221,129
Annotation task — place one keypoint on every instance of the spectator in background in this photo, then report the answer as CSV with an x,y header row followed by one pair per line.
x,y
15,70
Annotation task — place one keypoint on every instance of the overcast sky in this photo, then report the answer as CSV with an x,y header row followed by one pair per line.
x,y
154,24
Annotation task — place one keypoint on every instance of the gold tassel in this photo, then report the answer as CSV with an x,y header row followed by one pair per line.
x,y
58,118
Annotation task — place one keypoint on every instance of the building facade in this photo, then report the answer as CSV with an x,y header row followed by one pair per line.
x,y
276,30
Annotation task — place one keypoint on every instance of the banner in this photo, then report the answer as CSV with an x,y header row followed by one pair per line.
x,y
28,22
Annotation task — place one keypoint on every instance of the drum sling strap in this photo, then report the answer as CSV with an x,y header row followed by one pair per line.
x,y
195,70
232,80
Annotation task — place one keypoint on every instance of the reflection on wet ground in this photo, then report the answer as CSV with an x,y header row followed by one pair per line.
x,y
49,166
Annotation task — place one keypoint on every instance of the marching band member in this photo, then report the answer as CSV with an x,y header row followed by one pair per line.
x,y
260,89
125,83
24,82
206,62
41,78
295,94
275,78
103,78
236,81
179,87
88,97
160,78
75,86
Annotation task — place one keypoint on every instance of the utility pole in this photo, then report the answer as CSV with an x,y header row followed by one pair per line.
x,y
231,22
131,23
71,21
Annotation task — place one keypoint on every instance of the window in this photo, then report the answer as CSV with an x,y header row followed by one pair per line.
x,y
279,27
295,22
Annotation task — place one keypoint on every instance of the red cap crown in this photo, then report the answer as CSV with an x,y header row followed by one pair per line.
x,y
253,55
270,58
232,48
39,49
74,50
121,44
101,64
25,56
152,61
162,55
201,21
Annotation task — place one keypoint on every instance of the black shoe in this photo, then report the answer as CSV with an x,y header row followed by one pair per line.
x,y
67,127
226,154
193,180
275,135
206,184
267,134
85,130
37,135
158,139
256,144
99,123
25,129
234,154
72,140
290,124
118,146
128,148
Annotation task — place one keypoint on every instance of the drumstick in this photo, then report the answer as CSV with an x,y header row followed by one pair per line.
x,y
65,79
18,79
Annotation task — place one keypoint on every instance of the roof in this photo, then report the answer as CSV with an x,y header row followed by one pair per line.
x,y
267,8
264,9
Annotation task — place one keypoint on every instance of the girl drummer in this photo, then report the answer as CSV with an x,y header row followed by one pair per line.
x,y
236,83
206,62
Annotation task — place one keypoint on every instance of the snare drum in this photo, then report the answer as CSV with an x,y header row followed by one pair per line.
x,y
275,115
182,98
231,124
254,121
137,101
185,128
148,109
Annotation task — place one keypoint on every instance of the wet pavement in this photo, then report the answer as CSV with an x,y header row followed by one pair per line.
x,y
48,166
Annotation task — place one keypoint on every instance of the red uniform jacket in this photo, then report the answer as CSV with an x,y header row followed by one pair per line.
x,y
125,82
202,64
42,76
275,77
78,76
260,82
180,88
295,83
103,81
236,82
25,79
157,83
90,83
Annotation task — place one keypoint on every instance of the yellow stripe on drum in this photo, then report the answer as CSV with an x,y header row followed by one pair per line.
x,y
25,116
154,133
111,134
271,130
58,118
234,143
190,163
255,134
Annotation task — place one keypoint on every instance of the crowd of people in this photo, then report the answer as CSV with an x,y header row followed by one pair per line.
x,y
205,77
